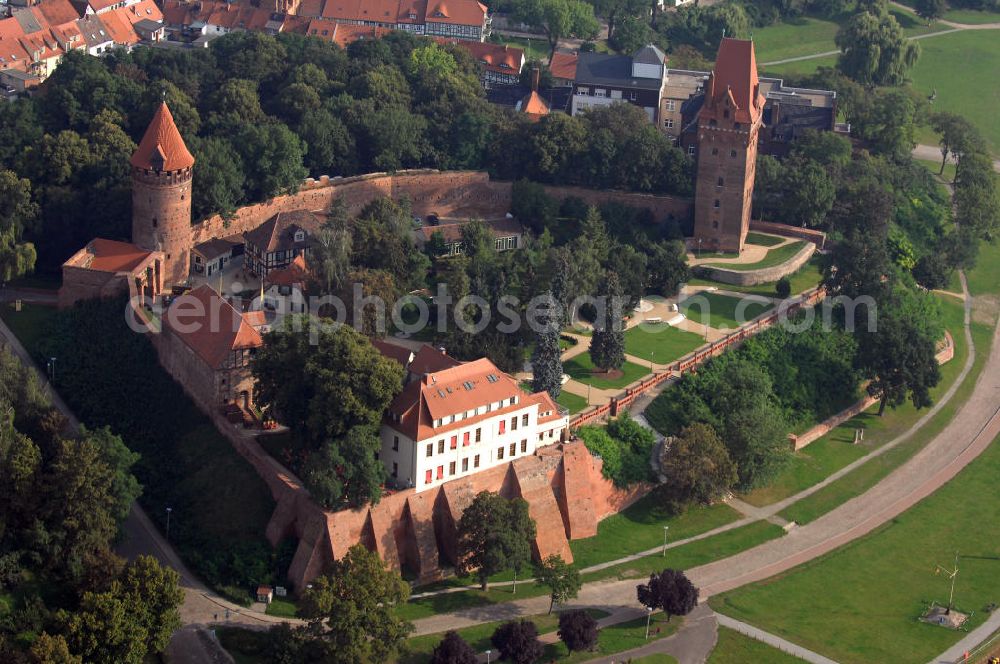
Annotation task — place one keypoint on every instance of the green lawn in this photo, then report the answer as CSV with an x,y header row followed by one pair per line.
x,y
28,324
723,311
799,67
935,168
534,49
975,93
640,527
283,608
580,368
656,658
806,277
763,239
879,430
573,402
734,647
661,342
615,639
844,604
694,554
773,257
971,16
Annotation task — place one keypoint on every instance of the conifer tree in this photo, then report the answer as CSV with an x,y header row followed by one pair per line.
x,y
607,346
546,365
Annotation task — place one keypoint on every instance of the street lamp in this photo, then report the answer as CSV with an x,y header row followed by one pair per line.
x,y
488,653
665,529
651,361
699,247
169,510
52,368
649,614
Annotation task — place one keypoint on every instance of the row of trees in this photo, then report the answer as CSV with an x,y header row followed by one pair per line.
x,y
64,499
260,113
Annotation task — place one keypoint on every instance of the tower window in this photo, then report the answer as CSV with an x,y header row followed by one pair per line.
x,y
719,183
154,222
715,151
716,204
732,153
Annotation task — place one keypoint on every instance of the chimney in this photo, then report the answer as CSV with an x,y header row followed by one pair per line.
x,y
535,77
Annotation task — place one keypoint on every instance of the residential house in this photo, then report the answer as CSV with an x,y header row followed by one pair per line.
x,y
453,419
499,64
602,80
207,346
96,36
287,288
563,69
460,19
275,243
212,256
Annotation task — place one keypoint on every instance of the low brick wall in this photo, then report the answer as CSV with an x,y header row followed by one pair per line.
x,y
754,277
808,234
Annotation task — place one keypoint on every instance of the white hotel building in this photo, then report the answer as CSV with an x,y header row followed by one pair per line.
x,y
453,419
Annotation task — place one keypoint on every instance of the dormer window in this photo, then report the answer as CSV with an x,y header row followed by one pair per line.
x,y
300,235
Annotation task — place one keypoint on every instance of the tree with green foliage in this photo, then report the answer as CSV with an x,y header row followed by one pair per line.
x,y
351,609
874,50
898,357
453,649
558,19
218,189
561,578
632,34
607,345
670,591
958,136
494,535
330,257
977,194
831,150
277,155
517,641
578,630
619,10
783,288
695,468
347,470
18,213
668,267
930,10
546,364
807,193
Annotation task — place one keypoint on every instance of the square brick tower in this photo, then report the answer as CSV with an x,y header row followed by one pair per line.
x,y
728,125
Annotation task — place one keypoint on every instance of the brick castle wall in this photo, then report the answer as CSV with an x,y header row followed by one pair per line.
x,y
761,276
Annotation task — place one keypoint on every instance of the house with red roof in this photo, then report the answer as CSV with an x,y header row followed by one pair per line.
x,y
287,287
207,346
279,240
453,419
108,268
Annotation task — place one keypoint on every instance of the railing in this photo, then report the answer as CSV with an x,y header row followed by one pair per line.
x,y
690,362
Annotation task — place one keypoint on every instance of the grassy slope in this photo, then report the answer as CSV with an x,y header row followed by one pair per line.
x,y
763,239
884,581
972,91
808,276
734,647
773,257
722,311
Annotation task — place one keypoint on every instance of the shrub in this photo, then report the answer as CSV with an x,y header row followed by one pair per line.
x,y
783,288
517,641
453,649
578,630
625,446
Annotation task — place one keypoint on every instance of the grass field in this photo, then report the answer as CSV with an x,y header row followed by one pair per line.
x,y
763,239
660,342
806,277
723,311
836,449
573,402
773,257
640,527
580,368
975,93
935,168
799,67
971,16
734,647
845,603
534,49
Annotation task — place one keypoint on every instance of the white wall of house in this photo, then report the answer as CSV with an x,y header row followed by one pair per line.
x,y
455,452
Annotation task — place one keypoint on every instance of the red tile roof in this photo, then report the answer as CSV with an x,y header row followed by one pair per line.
x,y
278,232
735,78
348,34
499,58
458,12
563,65
113,256
430,359
534,106
58,12
162,148
210,326
295,273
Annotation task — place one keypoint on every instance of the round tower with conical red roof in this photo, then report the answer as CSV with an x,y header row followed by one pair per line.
x,y
162,172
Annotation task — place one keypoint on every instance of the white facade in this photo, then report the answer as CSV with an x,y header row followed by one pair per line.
x,y
455,449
